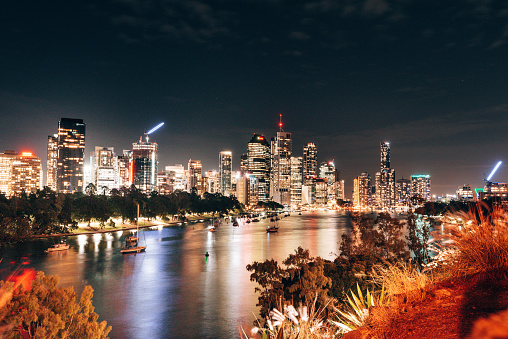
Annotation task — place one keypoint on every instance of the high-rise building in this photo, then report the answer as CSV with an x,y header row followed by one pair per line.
x,y
70,158
212,182
465,193
280,184
296,180
177,178
225,170
310,163
123,163
242,188
362,191
105,169
403,188
52,160
258,164
144,165
328,172
19,173
385,180
195,176
420,186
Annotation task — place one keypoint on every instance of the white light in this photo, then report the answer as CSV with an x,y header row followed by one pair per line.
x,y
494,170
155,128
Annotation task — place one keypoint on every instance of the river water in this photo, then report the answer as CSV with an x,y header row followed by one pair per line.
x,y
172,290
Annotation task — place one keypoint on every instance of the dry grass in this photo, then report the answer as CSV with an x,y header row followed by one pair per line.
x,y
479,243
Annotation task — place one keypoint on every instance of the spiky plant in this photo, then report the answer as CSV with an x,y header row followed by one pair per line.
x,y
359,309
478,241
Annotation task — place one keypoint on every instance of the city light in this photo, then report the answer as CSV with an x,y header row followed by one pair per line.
x,y
494,170
26,154
155,128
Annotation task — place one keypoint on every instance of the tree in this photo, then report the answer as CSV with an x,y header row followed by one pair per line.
x,y
418,237
48,311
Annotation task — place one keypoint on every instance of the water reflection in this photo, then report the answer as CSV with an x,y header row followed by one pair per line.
x,y
173,289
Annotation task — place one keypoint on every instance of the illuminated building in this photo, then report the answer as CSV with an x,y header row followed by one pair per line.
x,y
26,174
52,160
320,191
310,163
6,160
225,170
296,180
242,188
495,190
144,164
258,164
280,184
385,180
465,193
123,163
420,186
177,177
19,173
195,176
328,171
212,182
70,158
403,189
105,169
362,191
339,189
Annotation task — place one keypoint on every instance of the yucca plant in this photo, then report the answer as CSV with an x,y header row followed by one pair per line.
x,y
359,306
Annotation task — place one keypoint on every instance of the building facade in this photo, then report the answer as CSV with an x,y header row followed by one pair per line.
x,y
70,157
52,160
143,166
280,184
420,186
310,163
225,172
258,164
296,180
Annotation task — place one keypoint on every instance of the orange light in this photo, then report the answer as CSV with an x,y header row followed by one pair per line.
x,y
26,154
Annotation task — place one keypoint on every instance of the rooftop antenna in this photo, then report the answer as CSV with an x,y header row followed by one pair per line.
x,y
280,123
153,130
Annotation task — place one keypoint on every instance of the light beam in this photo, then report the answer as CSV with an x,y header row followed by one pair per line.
x,y
155,128
494,170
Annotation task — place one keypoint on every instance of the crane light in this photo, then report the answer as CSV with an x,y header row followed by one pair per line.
x,y
155,128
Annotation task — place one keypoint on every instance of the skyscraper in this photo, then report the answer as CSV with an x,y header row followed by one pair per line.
x,y
195,176
258,164
144,165
19,173
70,158
420,186
280,184
225,170
105,169
403,196
296,180
385,180
310,164
362,191
328,172
52,160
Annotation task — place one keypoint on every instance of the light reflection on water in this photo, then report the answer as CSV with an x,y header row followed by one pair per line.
x,y
173,290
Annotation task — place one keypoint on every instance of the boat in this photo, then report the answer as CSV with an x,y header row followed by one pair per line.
x,y
213,229
255,220
133,246
271,229
235,223
58,247
247,221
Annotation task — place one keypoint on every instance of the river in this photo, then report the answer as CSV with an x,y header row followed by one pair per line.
x,y
172,290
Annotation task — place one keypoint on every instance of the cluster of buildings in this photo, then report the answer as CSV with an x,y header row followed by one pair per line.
x,y
386,193
269,171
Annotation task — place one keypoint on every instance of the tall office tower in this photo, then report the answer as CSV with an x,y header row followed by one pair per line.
x,y
385,180
328,172
144,165
6,160
225,169
19,173
403,195
105,169
296,180
320,191
339,190
26,174
242,188
52,161
310,164
280,184
362,191
195,176
212,182
177,177
258,164
71,155
123,163
420,186
244,163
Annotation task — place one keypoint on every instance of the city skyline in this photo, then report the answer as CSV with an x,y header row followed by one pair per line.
x,y
344,76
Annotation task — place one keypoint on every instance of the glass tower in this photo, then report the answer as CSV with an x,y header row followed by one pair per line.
x,y
71,155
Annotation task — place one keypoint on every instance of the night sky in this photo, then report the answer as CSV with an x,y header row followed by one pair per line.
x,y
430,77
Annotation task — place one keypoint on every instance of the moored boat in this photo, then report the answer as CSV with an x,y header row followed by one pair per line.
x,y
58,247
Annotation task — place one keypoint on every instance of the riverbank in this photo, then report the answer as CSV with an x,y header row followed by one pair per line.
x,y
95,228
